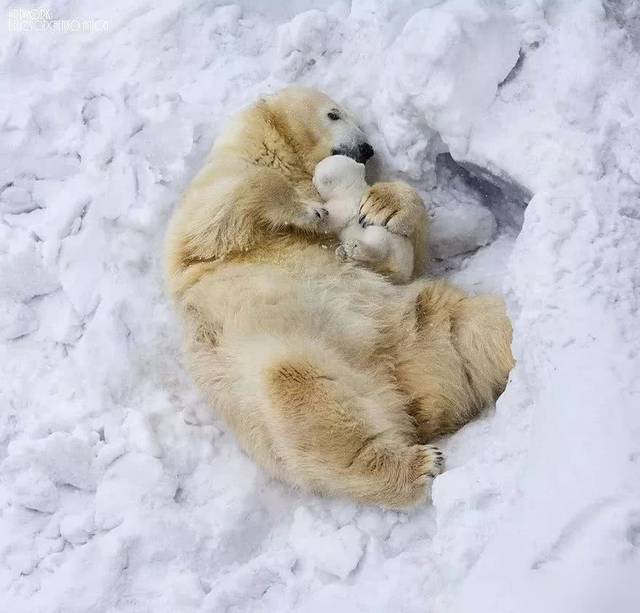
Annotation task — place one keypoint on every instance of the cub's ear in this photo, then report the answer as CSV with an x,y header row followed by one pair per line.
x,y
325,181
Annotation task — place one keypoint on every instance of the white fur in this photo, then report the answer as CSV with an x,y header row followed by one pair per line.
x,y
341,183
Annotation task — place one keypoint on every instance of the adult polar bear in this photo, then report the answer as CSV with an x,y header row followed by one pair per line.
x,y
331,378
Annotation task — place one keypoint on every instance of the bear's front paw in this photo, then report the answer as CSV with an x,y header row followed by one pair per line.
x,y
312,216
396,206
429,461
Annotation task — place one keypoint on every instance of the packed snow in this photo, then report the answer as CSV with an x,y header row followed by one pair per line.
x,y
518,121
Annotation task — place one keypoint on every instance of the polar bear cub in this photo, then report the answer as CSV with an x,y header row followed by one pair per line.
x,y
341,184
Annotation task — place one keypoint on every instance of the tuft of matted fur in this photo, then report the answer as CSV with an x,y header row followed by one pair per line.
x,y
332,379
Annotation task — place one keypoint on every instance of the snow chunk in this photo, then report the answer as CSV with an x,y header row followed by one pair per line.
x,y
16,200
303,40
65,459
333,550
77,528
127,483
140,433
23,276
34,489
16,319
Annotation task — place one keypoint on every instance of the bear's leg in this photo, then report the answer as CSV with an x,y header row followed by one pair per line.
x,y
342,432
482,336
457,360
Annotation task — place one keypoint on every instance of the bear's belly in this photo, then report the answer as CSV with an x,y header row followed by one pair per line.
x,y
313,298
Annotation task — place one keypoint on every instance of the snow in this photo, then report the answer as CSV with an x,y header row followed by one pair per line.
x,y
119,488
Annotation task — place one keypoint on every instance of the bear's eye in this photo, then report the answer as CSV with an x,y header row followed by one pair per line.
x,y
333,116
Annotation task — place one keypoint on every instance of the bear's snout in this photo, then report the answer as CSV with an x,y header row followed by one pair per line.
x,y
365,151
360,153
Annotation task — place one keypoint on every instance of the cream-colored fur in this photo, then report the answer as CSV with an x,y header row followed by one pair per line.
x,y
341,184
332,378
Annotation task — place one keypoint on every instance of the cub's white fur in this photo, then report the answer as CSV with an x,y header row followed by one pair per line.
x,y
341,183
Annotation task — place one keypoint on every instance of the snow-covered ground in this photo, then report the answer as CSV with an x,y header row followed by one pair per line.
x,y
120,491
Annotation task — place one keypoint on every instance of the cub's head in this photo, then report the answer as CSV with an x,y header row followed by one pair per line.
x,y
316,126
338,175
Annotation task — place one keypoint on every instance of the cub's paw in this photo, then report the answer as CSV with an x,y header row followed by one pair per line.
x,y
356,251
341,253
353,249
312,216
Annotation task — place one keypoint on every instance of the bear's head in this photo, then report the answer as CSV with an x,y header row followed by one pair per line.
x,y
338,176
316,126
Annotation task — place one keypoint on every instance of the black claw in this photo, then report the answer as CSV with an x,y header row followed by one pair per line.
x,y
361,219
388,219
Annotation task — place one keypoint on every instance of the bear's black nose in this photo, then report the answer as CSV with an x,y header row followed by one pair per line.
x,y
365,151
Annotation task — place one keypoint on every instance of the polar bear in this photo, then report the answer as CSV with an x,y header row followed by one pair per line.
x,y
341,184
332,378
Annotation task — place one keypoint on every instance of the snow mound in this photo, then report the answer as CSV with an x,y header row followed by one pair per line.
x,y
454,55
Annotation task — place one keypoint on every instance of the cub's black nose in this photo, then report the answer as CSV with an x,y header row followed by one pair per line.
x,y
365,151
